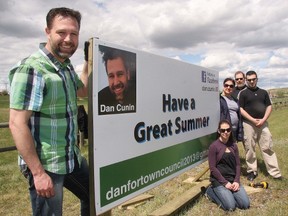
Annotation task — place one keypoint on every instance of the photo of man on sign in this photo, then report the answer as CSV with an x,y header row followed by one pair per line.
x,y
120,94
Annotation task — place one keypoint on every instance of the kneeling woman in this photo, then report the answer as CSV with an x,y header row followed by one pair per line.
x,y
224,164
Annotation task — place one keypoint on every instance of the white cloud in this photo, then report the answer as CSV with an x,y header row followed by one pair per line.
x,y
279,58
224,35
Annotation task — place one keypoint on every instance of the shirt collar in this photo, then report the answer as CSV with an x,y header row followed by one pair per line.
x,y
56,64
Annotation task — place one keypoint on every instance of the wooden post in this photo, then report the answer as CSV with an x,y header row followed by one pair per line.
x,y
201,174
81,139
171,207
90,133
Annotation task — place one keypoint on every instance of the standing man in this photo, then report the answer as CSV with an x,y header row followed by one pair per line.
x,y
255,106
43,116
239,77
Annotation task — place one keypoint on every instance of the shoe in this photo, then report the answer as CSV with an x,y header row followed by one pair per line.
x,y
280,178
203,190
251,176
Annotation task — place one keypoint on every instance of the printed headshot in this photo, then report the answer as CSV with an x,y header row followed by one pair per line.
x,y
119,94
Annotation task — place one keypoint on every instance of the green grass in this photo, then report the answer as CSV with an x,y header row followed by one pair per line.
x,y
14,197
5,136
279,124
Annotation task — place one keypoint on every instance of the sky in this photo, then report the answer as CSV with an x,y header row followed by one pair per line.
x,y
223,35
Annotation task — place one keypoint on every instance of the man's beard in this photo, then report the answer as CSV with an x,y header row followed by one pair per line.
x,y
119,97
63,55
241,86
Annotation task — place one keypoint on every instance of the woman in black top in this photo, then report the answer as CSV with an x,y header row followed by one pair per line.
x,y
224,164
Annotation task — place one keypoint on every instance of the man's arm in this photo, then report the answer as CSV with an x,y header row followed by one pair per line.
x,y
247,116
267,112
266,116
83,92
22,136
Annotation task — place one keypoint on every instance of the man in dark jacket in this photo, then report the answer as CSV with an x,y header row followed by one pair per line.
x,y
239,77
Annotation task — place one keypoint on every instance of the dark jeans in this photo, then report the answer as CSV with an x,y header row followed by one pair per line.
x,y
77,182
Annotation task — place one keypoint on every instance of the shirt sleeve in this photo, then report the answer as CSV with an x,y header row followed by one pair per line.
x,y
267,99
27,87
76,77
241,99
79,82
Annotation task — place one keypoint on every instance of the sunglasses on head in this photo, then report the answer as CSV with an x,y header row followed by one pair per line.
x,y
250,80
239,79
226,86
223,130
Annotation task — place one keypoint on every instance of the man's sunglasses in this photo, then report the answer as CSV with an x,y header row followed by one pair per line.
x,y
223,130
250,80
239,79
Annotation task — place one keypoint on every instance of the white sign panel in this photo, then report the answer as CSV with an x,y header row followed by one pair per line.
x,y
153,119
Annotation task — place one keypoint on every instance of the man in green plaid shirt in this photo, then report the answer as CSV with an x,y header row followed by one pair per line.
x,y
43,116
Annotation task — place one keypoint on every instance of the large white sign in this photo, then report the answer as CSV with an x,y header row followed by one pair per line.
x,y
153,119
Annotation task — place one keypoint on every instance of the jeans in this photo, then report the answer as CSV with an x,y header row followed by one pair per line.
x,y
77,182
228,200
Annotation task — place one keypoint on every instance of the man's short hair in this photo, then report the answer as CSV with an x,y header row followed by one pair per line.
x,y
239,72
110,53
229,79
249,73
62,11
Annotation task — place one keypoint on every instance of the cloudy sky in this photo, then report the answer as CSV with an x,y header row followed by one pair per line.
x,y
224,35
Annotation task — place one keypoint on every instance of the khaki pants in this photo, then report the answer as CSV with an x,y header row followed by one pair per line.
x,y
263,137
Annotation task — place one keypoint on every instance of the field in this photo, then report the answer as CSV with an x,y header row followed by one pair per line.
x,y
14,196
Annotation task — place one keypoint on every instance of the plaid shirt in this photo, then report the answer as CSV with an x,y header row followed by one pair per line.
x,y
47,87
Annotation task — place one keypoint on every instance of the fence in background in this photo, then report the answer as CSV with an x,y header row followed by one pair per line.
x,y
11,148
280,104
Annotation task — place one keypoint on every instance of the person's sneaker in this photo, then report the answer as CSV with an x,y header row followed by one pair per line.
x,y
203,190
251,176
280,178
